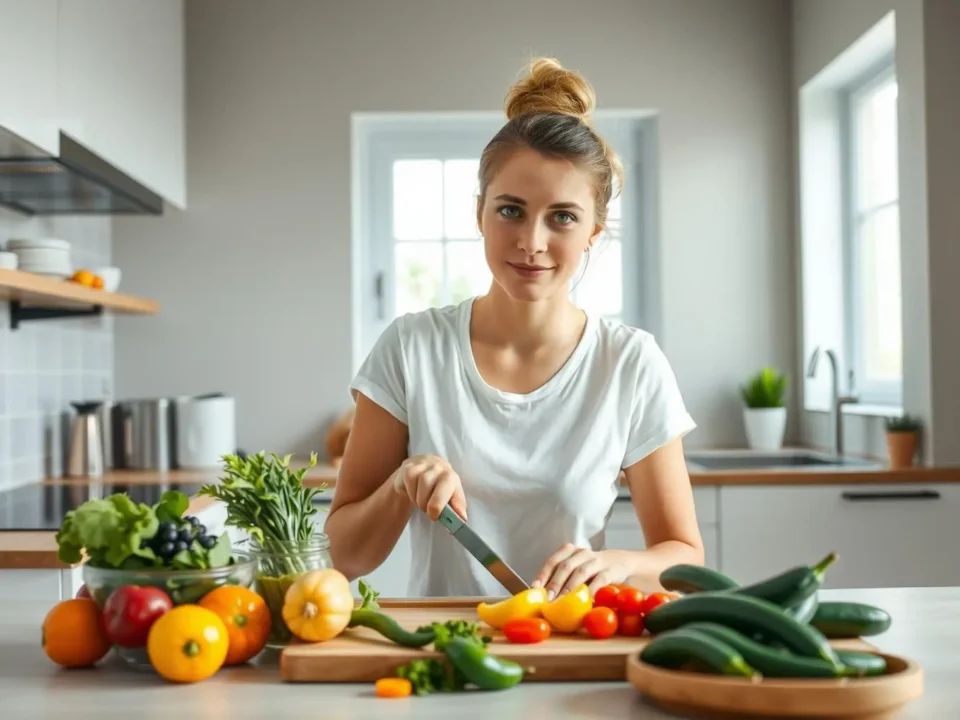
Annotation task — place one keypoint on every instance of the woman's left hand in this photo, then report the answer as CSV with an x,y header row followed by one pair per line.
x,y
572,566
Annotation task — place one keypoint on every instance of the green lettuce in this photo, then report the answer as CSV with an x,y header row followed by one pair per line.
x,y
110,531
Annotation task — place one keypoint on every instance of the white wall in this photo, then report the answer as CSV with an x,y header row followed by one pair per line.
x,y
928,60
254,278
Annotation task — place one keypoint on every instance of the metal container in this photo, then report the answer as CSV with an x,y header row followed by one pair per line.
x,y
85,449
147,433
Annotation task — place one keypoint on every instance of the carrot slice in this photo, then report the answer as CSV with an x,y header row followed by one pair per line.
x,y
393,687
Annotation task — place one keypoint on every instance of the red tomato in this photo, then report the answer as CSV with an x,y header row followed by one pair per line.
x,y
131,610
654,600
606,597
526,630
84,592
629,600
601,622
630,624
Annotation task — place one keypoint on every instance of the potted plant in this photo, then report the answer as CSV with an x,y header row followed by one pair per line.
x,y
765,412
902,440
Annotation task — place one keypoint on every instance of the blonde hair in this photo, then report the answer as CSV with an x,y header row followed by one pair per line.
x,y
549,110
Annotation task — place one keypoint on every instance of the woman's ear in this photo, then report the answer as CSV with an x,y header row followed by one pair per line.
x,y
597,230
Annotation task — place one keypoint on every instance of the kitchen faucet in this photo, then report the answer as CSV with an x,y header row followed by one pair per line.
x,y
837,400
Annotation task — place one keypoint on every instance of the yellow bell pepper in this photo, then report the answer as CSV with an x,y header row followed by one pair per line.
x,y
524,604
566,613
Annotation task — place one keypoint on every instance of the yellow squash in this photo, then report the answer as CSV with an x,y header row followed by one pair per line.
x,y
318,605
187,644
524,604
566,613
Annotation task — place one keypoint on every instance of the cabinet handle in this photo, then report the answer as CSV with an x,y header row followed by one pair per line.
x,y
893,495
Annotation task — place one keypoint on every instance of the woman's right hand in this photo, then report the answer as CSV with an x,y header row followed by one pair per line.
x,y
430,483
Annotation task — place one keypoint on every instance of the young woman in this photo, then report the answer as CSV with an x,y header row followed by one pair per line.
x,y
517,408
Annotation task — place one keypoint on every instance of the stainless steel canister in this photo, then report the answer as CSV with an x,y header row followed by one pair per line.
x,y
147,433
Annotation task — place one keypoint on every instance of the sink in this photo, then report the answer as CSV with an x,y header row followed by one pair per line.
x,y
785,459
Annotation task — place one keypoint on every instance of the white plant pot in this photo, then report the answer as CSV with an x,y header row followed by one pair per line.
x,y
765,427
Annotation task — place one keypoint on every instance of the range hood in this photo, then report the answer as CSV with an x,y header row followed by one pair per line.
x,y
77,182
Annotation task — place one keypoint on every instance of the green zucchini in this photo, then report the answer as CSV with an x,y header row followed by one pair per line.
x,y
804,611
792,586
770,662
868,663
750,616
682,647
689,579
850,619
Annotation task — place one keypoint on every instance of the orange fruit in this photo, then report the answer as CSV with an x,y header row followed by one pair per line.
x,y
247,617
74,635
97,283
84,277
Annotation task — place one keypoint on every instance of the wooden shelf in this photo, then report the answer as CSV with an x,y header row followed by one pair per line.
x,y
28,291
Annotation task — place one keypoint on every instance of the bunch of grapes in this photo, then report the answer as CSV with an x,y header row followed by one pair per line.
x,y
172,538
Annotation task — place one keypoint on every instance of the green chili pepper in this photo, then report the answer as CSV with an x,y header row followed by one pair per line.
x,y
486,671
390,629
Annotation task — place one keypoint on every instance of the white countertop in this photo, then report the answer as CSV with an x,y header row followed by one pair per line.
x,y
926,627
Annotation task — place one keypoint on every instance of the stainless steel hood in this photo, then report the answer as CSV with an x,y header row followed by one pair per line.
x,y
77,182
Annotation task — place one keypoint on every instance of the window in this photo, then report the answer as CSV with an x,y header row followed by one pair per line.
x,y
873,327
419,242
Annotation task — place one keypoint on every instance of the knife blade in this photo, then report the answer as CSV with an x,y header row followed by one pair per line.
x,y
476,546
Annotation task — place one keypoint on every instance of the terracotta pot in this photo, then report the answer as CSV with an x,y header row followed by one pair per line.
x,y
902,449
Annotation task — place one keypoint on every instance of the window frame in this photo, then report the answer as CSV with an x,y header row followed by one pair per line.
x,y
378,141
870,392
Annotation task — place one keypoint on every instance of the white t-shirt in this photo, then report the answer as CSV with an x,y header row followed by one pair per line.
x,y
538,469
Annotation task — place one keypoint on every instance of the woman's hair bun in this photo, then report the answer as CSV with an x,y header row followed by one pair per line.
x,y
549,88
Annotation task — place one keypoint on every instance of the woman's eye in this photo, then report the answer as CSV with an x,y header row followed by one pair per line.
x,y
509,211
565,218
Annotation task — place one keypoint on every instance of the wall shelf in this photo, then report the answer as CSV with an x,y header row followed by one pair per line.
x,y
36,297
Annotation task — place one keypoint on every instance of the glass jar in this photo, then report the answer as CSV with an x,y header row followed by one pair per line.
x,y
279,564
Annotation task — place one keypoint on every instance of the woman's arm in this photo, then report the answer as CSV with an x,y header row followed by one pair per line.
x,y
367,517
663,499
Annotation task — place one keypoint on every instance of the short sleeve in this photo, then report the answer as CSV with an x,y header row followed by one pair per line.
x,y
659,413
381,377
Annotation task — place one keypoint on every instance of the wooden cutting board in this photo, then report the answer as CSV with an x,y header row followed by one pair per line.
x,y
362,655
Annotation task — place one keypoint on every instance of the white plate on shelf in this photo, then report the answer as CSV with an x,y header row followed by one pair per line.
x,y
37,244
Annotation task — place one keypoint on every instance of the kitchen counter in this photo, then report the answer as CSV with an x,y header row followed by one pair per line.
x,y
37,549
924,629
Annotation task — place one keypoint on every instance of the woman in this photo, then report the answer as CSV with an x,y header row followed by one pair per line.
x,y
516,407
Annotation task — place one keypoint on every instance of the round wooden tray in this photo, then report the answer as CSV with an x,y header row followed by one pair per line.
x,y
694,694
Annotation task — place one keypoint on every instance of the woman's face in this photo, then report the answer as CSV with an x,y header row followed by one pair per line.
x,y
537,220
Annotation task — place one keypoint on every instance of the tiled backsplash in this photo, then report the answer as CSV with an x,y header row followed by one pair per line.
x,y
45,365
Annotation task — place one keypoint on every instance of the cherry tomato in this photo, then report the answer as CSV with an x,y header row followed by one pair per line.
x,y
654,600
601,622
630,624
629,600
606,597
526,630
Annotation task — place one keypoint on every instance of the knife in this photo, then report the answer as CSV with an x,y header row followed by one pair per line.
x,y
476,546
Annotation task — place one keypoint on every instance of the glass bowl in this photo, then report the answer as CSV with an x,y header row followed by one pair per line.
x,y
183,587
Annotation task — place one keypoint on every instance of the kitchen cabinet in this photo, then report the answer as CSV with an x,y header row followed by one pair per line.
x,y
624,531
886,535
120,86
28,71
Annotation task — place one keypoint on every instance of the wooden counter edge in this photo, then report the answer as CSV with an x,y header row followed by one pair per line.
x,y
33,550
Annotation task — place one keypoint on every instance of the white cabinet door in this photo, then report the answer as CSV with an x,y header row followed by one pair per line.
x,y
885,535
28,71
121,86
